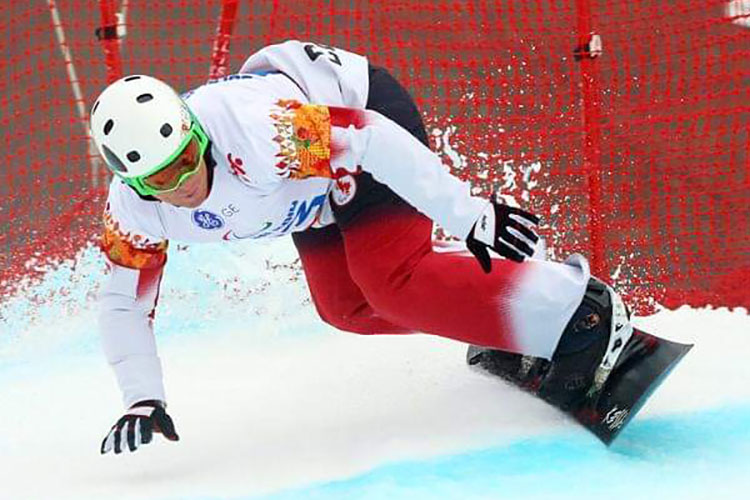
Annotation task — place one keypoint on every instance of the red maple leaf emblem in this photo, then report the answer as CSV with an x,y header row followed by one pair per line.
x,y
344,186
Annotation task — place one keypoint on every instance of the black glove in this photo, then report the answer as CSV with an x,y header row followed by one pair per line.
x,y
506,230
138,425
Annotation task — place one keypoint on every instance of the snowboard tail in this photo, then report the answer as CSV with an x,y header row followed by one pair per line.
x,y
643,365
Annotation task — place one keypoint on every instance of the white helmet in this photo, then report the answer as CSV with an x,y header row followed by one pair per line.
x,y
138,123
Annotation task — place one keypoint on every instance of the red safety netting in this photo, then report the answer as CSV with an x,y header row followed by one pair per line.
x,y
625,124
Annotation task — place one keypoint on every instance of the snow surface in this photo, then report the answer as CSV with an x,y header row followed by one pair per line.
x,y
268,400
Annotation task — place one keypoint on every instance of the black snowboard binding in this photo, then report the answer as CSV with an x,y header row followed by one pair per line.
x,y
602,370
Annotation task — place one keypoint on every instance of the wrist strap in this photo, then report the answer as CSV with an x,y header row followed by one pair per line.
x,y
150,402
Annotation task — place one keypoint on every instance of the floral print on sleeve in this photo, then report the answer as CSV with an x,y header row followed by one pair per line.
x,y
303,133
131,250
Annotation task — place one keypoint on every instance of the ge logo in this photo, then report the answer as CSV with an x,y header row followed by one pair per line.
x,y
229,210
207,220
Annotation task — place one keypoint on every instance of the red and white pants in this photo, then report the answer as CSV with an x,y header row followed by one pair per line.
x,y
381,275
375,271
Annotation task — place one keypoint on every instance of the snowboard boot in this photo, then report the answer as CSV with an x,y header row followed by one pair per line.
x,y
603,370
588,349
585,355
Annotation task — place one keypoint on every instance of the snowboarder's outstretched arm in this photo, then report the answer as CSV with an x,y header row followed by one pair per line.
x,y
127,301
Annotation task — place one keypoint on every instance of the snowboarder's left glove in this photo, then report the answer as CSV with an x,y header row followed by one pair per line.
x,y
509,231
137,427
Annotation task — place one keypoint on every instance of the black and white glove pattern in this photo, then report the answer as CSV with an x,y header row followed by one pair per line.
x,y
509,231
137,427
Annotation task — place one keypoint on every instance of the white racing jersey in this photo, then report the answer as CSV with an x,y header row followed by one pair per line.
x,y
281,130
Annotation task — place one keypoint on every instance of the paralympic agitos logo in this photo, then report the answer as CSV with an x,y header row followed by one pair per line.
x,y
299,213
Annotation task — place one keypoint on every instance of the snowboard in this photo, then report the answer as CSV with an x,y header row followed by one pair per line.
x,y
606,410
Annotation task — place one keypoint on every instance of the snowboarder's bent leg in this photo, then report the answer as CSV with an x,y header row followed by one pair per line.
x,y
520,308
338,300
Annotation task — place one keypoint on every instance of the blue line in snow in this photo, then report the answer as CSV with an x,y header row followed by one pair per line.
x,y
699,455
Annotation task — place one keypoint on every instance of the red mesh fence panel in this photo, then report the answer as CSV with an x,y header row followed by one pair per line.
x,y
638,156
675,125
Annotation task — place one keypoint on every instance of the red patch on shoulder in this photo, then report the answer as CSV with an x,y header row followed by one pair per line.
x,y
346,117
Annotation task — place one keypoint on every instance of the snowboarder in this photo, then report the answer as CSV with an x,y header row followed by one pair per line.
x,y
314,141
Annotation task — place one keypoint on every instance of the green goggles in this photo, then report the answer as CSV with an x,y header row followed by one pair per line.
x,y
175,170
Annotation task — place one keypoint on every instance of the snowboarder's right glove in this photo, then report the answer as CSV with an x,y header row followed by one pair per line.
x,y
137,426
506,230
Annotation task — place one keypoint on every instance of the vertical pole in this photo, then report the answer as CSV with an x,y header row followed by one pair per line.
x,y
108,36
220,51
592,137
75,86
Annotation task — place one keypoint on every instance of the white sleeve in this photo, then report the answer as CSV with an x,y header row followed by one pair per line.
x,y
326,75
396,158
126,332
321,141
128,298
